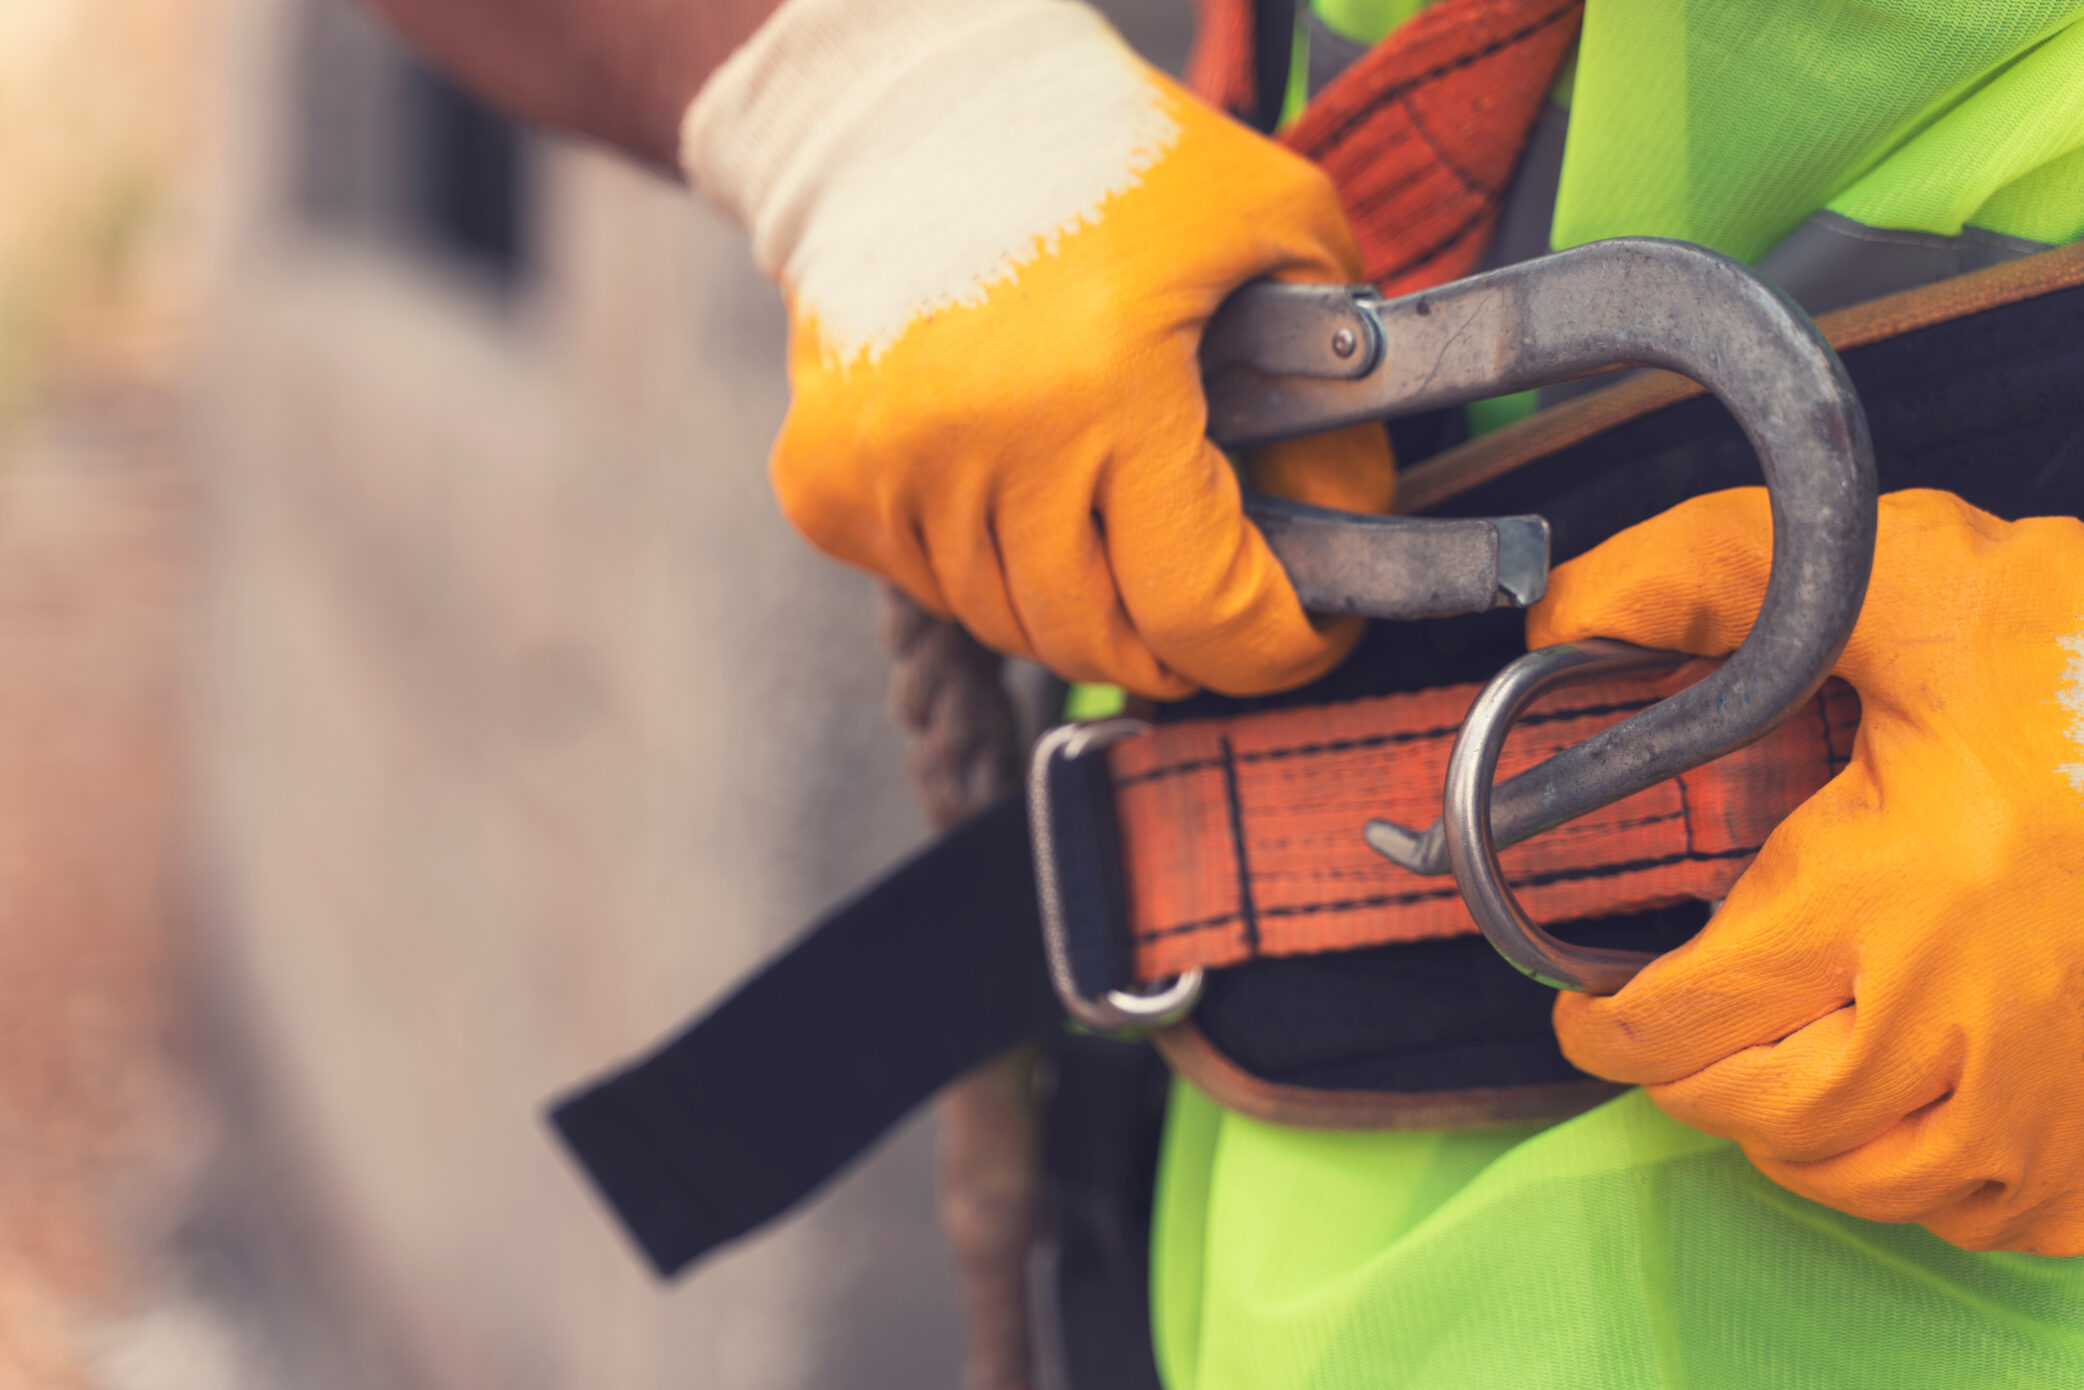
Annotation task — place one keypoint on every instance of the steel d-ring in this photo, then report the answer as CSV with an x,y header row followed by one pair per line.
x,y
1466,820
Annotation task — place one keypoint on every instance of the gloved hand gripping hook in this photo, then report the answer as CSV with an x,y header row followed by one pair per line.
x,y
1634,301
1285,360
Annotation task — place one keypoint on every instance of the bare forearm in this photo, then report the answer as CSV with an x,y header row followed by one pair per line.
x,y
618,70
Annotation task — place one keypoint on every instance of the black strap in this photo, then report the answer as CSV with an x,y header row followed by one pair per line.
x,y
890,997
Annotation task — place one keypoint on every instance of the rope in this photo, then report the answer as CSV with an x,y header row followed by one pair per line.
x,y
948,694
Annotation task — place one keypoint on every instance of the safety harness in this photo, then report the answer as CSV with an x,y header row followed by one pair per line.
x,y
1422,133
1341,990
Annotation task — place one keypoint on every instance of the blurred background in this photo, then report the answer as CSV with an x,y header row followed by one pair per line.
x,y
411,703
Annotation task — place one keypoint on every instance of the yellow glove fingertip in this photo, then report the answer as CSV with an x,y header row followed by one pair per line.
x,y
1689,579
1350,470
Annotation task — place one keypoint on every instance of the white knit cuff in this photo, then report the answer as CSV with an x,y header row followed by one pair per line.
x,y
768,120
892,158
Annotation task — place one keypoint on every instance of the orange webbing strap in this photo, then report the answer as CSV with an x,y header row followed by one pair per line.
x,y
1241,837
1422,134
1219,70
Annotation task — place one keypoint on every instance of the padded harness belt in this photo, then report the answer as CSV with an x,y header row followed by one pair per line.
x,y
1240,838
1237,838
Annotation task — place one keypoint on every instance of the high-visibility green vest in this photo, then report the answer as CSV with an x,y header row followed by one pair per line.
x,y
1621,1250
1730,123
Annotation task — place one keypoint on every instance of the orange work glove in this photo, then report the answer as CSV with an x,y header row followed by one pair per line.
x,y
1000,235
1887,1013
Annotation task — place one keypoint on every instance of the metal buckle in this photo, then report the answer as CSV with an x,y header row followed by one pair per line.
x,y
1113,1010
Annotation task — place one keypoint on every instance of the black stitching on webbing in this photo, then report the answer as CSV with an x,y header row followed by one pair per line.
x,y
1379,900
1439,248
1640,821
1350,745
1319,875
1237,843
1685,811
1632,866
1367,741
1398,92
1159,774
1221,919
1420,895
1358,904
1297,750
1365,202
1468,180
1557,716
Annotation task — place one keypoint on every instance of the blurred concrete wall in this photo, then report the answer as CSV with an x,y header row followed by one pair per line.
x,y
525,728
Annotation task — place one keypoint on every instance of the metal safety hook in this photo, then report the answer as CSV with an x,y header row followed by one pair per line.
x,y
1664,304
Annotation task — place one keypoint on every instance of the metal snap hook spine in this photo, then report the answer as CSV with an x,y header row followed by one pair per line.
x,y
1693,311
